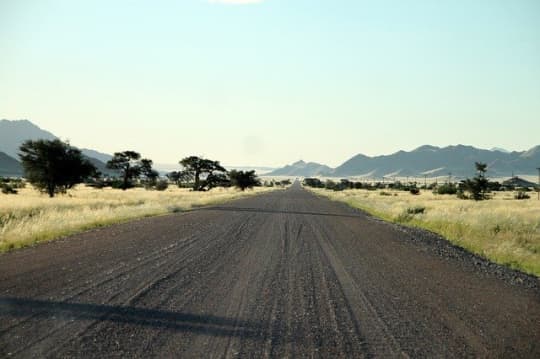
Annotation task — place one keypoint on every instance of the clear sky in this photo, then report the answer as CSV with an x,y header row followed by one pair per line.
x,y
273,81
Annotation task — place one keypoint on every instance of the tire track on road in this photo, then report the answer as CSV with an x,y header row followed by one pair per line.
x,y
285,274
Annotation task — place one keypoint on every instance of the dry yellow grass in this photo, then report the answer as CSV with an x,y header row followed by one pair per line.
x,y
504,230
31,217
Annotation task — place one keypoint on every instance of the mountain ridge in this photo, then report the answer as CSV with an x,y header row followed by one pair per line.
x,y
301,168
14,132
425,160
9,166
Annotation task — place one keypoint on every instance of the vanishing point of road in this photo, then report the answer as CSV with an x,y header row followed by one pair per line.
x,y
283,274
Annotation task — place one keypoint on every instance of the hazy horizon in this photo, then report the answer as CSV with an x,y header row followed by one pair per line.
x,y
267,83
173,165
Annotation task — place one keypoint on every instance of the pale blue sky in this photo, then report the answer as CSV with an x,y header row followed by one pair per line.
x,y
275,81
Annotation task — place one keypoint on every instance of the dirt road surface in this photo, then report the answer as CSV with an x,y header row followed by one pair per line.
x,y
285,274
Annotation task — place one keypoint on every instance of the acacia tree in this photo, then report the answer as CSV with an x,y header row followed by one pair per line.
x,y
150,175
54,166
243,180
131,166
196,167
181,178
218,179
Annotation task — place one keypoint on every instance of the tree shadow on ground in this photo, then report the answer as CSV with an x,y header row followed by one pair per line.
x,y
14,307
274,211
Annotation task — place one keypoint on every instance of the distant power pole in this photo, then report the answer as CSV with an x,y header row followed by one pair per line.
x,y
425,181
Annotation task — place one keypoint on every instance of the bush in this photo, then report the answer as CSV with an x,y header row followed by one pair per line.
x,y
494,186
8,189
521,195
162,185
414,191
461,195
358,185
286,182
244,179
330,184
118,184
447,188
313,182
383,193
16,183
11,185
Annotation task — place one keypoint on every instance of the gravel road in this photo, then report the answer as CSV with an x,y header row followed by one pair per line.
x,y
284,274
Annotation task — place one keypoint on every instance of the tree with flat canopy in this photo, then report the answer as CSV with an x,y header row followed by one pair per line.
x,y
131,166
198,167
53,166
181,178
149,174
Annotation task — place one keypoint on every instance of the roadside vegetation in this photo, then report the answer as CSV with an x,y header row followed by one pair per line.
x,y
498,221
63,192
30,216
53,167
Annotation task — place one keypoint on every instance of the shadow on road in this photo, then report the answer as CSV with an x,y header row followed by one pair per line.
x,y
159,319
273,211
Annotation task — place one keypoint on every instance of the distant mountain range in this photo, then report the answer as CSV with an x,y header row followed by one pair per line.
x,y
301,169
14,133
425,160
